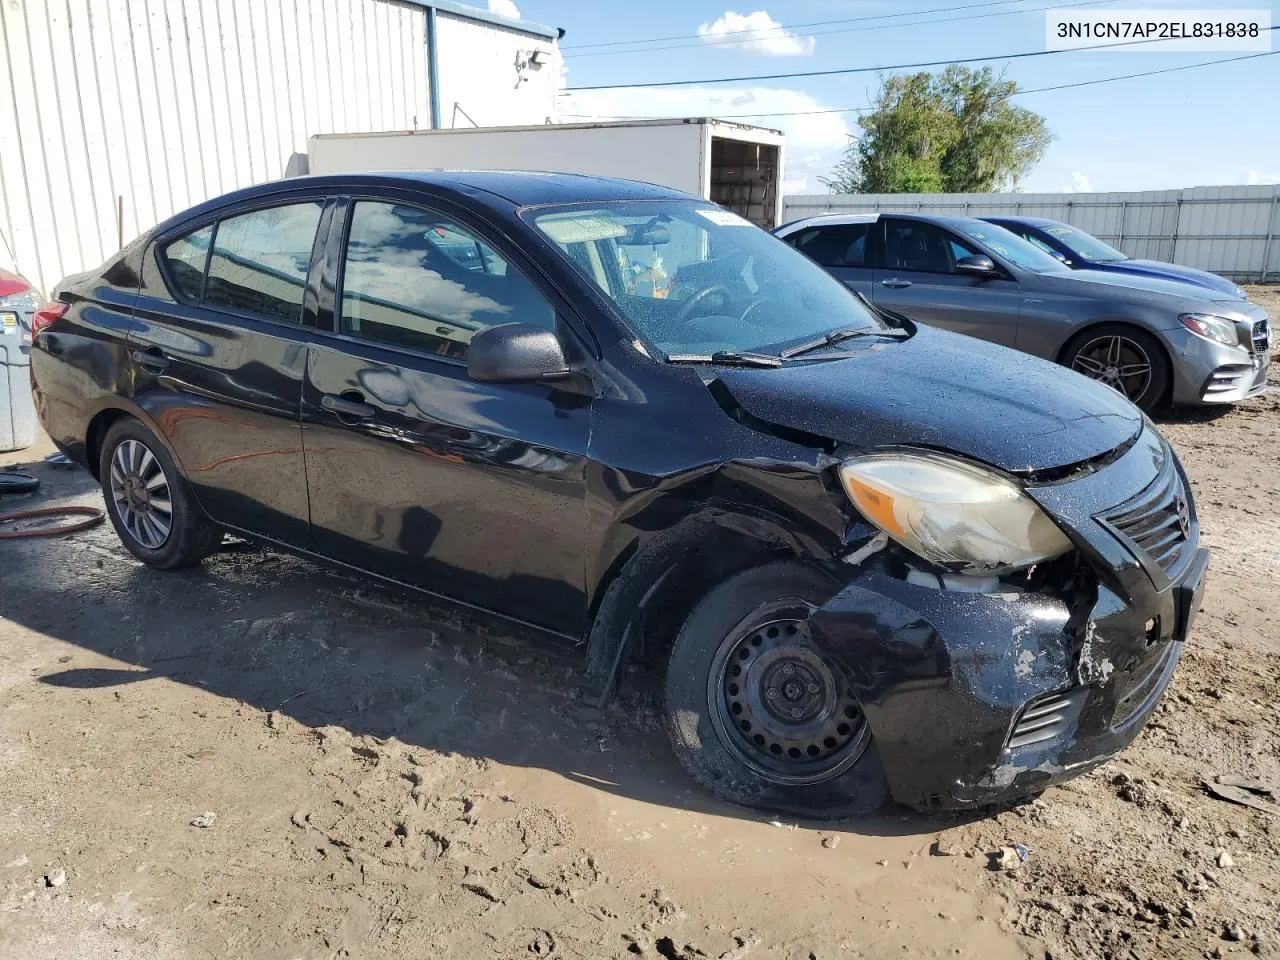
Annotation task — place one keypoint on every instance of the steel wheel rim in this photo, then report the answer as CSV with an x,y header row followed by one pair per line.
x,y
1118,362
810,728
141,495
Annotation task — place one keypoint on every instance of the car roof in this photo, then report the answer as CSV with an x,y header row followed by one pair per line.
x,y
532,188
947,220
519,187
1025,221
836,218
824,219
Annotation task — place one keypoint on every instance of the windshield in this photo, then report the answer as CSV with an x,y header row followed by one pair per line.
x,y
1084,246
1010,246
693,279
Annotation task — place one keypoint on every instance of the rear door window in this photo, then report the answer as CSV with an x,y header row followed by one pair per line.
x,y
420,281
839,245
260,261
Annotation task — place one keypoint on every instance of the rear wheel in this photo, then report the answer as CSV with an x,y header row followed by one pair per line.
x,y
148,501
1127,359
757,712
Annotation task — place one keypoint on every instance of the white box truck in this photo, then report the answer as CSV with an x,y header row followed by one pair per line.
x,y
734,165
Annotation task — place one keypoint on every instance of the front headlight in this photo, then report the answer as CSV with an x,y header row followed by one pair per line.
x,y
951,512
1218,329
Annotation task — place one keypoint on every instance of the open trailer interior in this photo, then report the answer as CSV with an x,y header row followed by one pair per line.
x,y
745,178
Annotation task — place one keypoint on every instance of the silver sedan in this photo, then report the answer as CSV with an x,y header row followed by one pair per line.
x,y
1155,341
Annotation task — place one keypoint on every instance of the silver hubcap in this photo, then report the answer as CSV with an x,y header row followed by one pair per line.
x,y
1118,362
140,491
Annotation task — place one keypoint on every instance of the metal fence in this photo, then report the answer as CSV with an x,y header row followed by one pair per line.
x,y
1232,231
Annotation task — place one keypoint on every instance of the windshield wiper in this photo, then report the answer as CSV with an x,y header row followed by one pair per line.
x,y
728,358
833,336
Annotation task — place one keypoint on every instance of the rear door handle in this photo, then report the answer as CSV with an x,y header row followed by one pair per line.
x,y
895,284
151,359
345,407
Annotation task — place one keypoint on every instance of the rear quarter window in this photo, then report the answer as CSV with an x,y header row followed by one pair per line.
x,y
185,260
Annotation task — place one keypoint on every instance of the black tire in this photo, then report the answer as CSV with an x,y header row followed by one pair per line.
x,y
15,483
848,782
1082,356
190,537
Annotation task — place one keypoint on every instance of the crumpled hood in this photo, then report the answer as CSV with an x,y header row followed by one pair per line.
x,y
944,391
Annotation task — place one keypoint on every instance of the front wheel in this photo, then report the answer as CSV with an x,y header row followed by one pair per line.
x,y
757,713
1124,358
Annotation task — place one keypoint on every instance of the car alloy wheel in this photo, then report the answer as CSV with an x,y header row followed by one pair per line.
x,y
140,491
781,706
1117,361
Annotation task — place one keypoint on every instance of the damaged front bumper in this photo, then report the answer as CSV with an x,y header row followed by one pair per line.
x,y
974,698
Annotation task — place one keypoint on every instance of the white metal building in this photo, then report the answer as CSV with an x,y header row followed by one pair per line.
x,y
115,114
1233,230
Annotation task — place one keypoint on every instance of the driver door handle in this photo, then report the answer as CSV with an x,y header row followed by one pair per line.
x,y
895,284
151,359
347,408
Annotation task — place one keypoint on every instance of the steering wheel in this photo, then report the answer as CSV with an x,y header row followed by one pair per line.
x,y
686,309
755,305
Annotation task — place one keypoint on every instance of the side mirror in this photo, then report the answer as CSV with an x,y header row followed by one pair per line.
x,y
514,352
977,266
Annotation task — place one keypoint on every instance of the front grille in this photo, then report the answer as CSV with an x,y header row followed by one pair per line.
x,y
1046,719
1157,521
1261,336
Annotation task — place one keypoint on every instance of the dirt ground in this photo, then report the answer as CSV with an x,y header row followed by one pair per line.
x,y
265,759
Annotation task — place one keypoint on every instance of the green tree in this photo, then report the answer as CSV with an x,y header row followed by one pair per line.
x,y
954,132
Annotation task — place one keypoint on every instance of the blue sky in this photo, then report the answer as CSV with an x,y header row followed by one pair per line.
x,y
1216,125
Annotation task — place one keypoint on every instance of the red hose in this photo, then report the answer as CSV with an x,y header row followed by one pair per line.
x,y
94,514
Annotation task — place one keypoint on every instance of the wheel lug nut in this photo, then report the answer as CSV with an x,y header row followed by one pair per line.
x,y
812,688
772,693
788,669
795,713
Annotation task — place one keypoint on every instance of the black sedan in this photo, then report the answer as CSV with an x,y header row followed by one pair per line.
x,y
873,558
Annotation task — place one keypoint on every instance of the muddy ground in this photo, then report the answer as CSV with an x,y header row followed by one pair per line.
x,y
376,778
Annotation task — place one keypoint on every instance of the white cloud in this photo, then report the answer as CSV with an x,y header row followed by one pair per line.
x,y
506,8
1080,183
815,141
757,32
1254,178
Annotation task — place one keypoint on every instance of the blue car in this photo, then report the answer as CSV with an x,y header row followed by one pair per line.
x,y
1081,251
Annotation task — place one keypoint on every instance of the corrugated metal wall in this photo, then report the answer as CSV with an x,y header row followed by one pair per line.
x,y
1233,231
146,107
